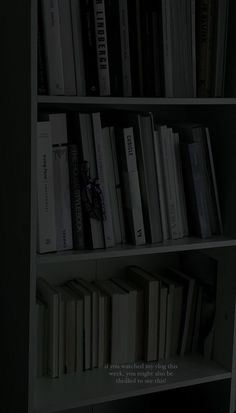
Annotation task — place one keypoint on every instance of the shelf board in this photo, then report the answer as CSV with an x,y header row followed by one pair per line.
x,y
183,244
98,385
108,101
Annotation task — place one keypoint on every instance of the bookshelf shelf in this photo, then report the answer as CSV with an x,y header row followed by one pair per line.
x,y
131,101
97,386
185,244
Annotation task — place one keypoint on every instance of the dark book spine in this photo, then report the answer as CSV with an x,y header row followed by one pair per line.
x,y
89,43
135,47
147,48
42,70
75,193
157,44
114,46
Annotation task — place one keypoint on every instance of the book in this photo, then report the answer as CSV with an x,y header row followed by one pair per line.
x,y
220,47
125,48
119,323
42,338
102,175
92,204
162,320
45,190
68,61
78,47
151,288
53,47
75,195
41,56
102,49
136,62
131,189
64,237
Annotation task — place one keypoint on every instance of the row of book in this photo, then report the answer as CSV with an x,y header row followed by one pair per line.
x,y
139,48
142,316
100,186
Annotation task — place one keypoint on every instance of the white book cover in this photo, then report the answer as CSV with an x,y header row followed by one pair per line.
x,y
132,188
88,154
111,184
61,182
45,190
53,47
118,184
103,180
102,49
161,187
78,47
67,47
125,49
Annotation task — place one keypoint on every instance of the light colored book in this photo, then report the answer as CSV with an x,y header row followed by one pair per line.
x,y
45,190
151,288
78,47
103,180
61,182
53,47
67,47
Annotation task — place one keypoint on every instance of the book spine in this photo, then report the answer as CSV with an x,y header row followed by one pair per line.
x,y
102,49
45,190
125,48
193,48
53,47
89,44
76,202
78,47
167,49
135,47
42,70
62,198
132,188
67,47
103,180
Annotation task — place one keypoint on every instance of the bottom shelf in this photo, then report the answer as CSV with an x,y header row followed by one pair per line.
x,y
118,382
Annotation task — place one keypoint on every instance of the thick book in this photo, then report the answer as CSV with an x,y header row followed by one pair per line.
x,y
221,47
75,194
130,185
102,48
53,47
89,45
102,174
67,47
48,294
92,203
45,189
119,323
78,47
151,287
61,181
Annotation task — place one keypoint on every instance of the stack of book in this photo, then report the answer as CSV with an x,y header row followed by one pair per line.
x,y
139,48
136,182
141,316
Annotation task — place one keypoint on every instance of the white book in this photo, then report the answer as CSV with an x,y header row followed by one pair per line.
x,y
91,288
161,187
118,184
87,322
113,195
53,47
103,180
133,203
151,290
102,49
61,182
45,190
67,47
119,322
88,155
125,49
78,47
51,297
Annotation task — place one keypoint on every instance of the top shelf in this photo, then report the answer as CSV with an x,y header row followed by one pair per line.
x,y
108,101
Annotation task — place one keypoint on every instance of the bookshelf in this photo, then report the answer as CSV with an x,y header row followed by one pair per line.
x,y
22,265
